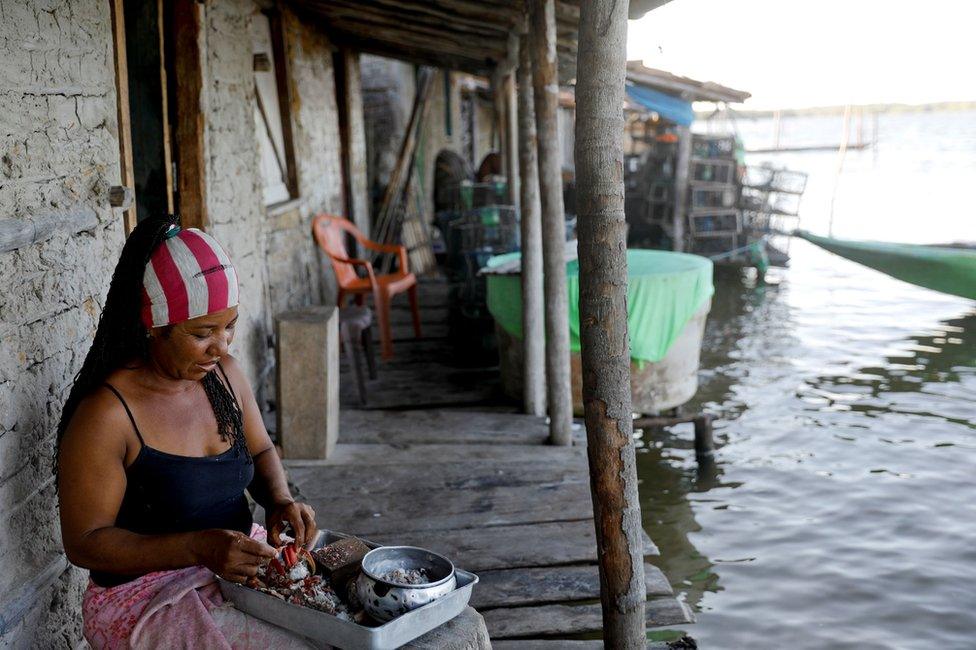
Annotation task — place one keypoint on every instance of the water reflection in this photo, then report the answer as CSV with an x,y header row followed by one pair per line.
x,y
832,426
670,478
934,364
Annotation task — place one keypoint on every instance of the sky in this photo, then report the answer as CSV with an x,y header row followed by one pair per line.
x,y
800,53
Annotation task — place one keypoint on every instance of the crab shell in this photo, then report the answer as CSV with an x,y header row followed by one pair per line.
x,y
288,556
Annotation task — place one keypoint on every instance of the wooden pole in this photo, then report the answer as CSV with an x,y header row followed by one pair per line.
x,y
682,167
545,86
533,329
122,108
605,350
188,25
511,138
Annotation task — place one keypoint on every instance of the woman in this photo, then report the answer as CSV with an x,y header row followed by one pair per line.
x,y
158,440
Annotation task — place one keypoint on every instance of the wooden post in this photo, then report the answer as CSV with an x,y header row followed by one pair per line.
x,y
533,329
353,137
122,106
545,87
682,166
704,442
495,83
511,138
605,350
190,141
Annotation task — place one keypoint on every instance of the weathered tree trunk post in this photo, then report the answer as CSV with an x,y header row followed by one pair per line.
x,y
533,328
682,167
605,349
545,83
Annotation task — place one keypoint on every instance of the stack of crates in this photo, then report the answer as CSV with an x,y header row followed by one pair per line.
x,y
485,227
770,200
714,223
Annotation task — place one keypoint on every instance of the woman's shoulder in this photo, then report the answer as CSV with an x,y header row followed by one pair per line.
x,y
100,421
235,372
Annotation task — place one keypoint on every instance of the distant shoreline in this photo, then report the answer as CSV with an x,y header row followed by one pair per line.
x,y
866,108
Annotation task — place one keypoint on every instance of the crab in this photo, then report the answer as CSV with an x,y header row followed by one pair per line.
x,y
292,564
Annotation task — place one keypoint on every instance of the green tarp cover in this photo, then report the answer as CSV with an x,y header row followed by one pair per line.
x,y
942,268
664,290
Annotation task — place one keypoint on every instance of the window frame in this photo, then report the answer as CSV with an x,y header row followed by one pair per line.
x,y
280,74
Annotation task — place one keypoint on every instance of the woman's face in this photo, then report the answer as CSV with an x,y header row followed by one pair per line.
x,y
191,349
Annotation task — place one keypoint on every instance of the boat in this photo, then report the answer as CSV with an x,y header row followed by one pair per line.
x,y
948,268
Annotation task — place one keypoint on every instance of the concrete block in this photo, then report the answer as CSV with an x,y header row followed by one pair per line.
x,y
308,381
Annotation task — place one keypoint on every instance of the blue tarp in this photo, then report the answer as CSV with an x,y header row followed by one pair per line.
x,y
670,108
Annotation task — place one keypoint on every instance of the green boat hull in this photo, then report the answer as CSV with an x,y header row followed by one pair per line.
x,y
947,269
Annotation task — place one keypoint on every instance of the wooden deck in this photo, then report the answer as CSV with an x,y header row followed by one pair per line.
x,y
440,459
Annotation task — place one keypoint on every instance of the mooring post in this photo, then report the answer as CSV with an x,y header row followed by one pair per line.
x,y
704,443
533,319
545,86
605,350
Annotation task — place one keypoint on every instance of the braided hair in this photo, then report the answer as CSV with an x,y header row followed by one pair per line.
x,y
122,337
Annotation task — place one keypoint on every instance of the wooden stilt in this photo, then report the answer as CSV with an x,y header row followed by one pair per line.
x,y
533,323
605,350
704,442
545,85
682,167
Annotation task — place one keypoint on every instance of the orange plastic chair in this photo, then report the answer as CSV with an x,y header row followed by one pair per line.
x,y
330,234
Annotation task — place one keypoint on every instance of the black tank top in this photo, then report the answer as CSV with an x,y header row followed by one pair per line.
x,y
168,493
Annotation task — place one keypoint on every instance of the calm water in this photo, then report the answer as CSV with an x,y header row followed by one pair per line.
x,y
841,510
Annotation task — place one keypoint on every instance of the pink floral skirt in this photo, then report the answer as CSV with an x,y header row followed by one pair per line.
x,y
175,609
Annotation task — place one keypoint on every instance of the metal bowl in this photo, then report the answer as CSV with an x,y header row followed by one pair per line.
x,y
384,600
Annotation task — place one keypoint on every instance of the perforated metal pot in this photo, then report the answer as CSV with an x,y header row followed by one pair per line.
x,y
383,599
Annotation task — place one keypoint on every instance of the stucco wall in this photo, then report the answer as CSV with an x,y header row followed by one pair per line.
x,y
58,156
297,270
277,262
234,199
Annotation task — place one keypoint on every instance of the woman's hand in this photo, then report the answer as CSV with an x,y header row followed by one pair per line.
x,y
299,515
230,554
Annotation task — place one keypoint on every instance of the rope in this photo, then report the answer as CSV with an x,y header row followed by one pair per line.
x,y
736,251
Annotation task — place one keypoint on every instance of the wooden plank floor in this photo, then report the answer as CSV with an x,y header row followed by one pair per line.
x,y
438,459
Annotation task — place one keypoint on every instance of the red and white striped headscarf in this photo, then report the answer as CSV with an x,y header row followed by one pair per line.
x,y
188,275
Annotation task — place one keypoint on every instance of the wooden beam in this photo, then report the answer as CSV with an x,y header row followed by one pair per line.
x,y
190,143
283,82
479,67
122,110
546,99
604,346
533,319
164,86
24,231
390,12
350,99
424,38
505,14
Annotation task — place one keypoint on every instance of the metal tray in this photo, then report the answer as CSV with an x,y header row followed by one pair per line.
x,y
327,629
